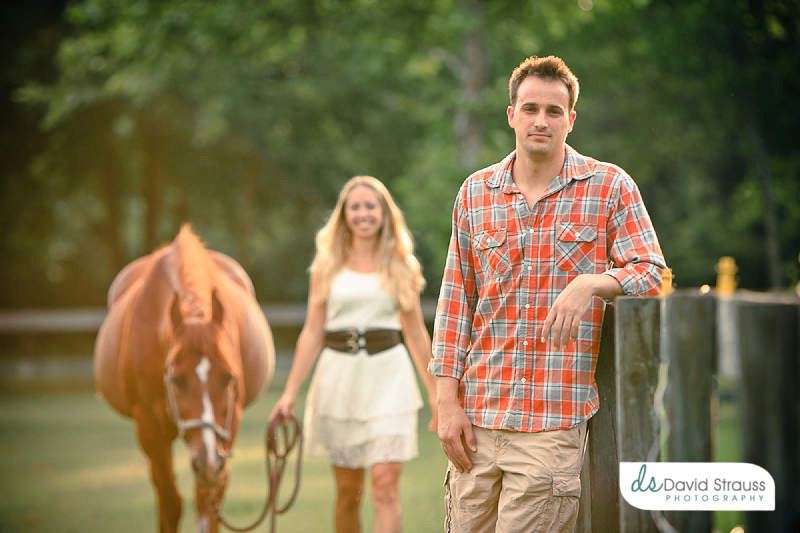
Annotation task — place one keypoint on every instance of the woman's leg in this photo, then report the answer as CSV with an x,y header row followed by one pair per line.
x,y
349,487
385,490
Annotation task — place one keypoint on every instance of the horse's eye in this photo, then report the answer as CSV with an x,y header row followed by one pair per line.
x,y
179,381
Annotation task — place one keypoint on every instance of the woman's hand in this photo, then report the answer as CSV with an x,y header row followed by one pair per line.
x,y
309,345
283,409
418,343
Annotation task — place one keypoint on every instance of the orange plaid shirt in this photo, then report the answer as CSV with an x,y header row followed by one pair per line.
x,y
506,264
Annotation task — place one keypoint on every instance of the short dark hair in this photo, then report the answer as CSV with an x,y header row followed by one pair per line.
x,y
548,68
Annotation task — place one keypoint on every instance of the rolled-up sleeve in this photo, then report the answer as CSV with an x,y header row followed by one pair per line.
x,y
633,246
453,324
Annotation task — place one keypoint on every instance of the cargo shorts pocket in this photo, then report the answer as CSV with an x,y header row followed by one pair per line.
x,y
565,500
576,246
567,484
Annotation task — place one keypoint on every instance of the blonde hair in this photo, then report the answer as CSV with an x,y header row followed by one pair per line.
x,y
399,270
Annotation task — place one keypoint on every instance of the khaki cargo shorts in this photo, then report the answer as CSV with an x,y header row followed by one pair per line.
x,y
519,482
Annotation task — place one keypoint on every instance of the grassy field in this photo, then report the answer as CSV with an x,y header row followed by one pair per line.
x,y
69,464
728,446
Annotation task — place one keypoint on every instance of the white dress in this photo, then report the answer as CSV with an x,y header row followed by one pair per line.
x,y
362,409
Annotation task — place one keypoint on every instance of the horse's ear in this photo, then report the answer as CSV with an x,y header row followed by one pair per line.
x,y
217,312
175,313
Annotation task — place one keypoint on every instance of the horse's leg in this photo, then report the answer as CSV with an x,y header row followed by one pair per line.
x,y
158,449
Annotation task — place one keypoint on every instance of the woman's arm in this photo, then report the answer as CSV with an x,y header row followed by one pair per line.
x,y
418,342
309,344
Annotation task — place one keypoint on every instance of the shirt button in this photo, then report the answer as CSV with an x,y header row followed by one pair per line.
x,y
530,230
527,306
524,343
523,380
530,268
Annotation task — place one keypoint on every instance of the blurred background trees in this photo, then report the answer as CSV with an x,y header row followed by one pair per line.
x,y
124,118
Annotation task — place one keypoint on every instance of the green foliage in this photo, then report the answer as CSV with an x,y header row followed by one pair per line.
x,y
246,117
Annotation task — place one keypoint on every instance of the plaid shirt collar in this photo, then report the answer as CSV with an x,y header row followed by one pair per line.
x,y
576,167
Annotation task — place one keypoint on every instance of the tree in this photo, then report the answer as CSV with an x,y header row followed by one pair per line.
x,y
246,117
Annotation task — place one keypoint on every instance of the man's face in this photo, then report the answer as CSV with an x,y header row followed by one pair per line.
x,y
541,118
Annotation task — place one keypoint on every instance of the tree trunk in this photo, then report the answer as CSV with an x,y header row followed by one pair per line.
x,y
247,210
759,161
153,187
182,210
110,186
472,78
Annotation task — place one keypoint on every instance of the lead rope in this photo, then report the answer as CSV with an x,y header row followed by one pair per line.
x,y
662,422
280,438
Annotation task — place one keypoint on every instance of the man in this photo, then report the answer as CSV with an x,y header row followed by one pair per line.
x,y
539,240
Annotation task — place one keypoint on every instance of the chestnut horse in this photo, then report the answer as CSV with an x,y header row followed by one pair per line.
x,y
183,349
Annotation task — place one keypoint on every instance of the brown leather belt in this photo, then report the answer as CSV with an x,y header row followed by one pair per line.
x,y
372,340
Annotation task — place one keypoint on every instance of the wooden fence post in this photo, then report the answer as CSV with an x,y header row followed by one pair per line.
x,y
637,363
767,336
600,475
688,345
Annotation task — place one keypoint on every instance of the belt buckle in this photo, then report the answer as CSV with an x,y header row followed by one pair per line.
x,y
352,341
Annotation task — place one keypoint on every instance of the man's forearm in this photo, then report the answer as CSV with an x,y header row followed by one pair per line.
x,y
606,286
446,390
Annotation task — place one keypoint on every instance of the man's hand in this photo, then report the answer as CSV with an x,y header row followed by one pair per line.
x,y
564,317
455,434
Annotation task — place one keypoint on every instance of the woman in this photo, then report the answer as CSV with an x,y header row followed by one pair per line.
x,y
361,409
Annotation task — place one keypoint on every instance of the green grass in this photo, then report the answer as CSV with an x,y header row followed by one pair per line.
x,y
69,464
728,446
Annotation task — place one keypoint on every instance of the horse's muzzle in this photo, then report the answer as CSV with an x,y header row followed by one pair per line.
x,y
208,473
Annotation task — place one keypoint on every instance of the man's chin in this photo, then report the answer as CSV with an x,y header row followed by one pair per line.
x,y
538,150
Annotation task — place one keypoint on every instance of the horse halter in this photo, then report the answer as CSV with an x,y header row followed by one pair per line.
x,y
223,433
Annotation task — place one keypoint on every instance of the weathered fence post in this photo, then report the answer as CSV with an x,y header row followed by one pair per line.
x,y
728,351
637,363
767,336
689,347
600,475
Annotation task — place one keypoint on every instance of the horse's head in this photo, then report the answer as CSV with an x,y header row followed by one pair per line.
x,y
203,390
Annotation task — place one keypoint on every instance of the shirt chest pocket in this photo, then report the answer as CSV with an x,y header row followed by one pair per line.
x,y
576,247
492,250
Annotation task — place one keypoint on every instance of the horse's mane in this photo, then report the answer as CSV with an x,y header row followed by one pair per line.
x,y
196,283
195,275
198,337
